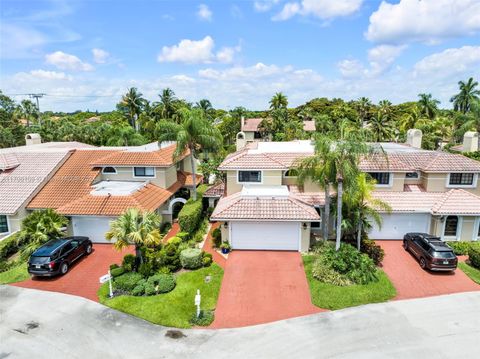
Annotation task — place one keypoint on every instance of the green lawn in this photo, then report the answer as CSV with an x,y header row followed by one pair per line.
x,y
472,272
332,297
15,274
173,309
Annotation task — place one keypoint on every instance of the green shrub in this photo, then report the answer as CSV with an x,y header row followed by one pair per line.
x,y
373,250
474,256
210,211
127,281
139,290
207,261
113,266
146,269
115,272
170,257
5,265
205,318
190,216
165,227
128,262
10,246
325,274
150,289
164,270
183,235
461,248
175,240
191,258
163,283
217,237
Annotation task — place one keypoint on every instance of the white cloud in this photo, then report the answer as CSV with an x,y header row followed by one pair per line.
x,y
383,56
197,51
350,68
265,5
67,62
450,61
100,56
19,42
204,13
50,75
322,9
427,21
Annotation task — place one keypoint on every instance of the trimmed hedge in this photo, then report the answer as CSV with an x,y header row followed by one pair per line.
x,y
116,272
128,262
190,216
128,281
474,257
463,247
9,246
163,283
191,258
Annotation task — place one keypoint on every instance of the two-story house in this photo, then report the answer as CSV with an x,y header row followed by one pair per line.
x,y
428,191
95,186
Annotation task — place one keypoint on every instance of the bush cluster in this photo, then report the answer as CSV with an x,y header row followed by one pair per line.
x,y
156,284
373,250
127,282
474,256
217,237
324,273
191,258
116,272
461,248
128,262
190,216
205,318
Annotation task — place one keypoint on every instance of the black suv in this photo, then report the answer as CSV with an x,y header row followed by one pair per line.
x,y
431,251
56,256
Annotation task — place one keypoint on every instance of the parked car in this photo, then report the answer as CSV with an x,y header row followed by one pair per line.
x,y
431,252
57,255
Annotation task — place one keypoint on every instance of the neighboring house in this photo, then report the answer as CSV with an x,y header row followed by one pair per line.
x,y
95,186
24,170
265,208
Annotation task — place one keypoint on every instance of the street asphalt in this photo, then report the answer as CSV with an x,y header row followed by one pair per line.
x,y
37,324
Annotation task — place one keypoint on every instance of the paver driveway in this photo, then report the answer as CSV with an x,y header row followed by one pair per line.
x,y
413,282
260,287
82,277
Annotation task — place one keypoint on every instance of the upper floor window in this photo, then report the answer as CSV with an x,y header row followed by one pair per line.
x,y
109,170
144,171
291,173
3,224
382,178
411,175
462,179
250,176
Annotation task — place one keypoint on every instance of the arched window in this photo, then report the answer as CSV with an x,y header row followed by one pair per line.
x,y
240,136
291,173
109,170
451,226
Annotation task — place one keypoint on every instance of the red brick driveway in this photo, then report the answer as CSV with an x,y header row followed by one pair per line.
x,y
260,287
413,282
82,278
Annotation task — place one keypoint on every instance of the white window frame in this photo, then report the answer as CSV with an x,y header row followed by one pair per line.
x,y
458,235
154,172
390,179
476,228
285,174
238,175
8,224
109,173
473,185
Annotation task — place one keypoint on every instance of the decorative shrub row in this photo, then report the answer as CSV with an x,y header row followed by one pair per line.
x,y
462,247
156,284
373,250
190,216
474,256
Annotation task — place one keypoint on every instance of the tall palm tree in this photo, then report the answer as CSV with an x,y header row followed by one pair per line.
x,y
194,133
28,110
364,108
124,136
279,100
137,228
133,103
428,105
167,101
468,94
381,127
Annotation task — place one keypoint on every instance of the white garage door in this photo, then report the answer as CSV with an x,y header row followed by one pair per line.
x,y
92,227
396,225
265,235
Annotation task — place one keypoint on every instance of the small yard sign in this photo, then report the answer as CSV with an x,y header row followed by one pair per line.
x,y
105,278
198,299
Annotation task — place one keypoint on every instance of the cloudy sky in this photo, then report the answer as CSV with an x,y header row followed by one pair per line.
x,y
85,54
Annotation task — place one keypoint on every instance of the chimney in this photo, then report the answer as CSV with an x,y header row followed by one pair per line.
x,y
33,139
414,138
242,123
470,142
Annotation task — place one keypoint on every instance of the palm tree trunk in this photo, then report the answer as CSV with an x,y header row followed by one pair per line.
x,y
339,214
194,174
359,235
138,256
326,212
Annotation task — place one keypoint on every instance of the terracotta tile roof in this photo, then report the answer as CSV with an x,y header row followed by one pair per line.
x,y
238,207
72,181
309,126
312,198
248,160
215,191
19,184
388,162
455,201
131,157
149,197
186,178
251,124
413,188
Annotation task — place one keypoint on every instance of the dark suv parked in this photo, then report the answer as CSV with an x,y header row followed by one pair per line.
x,y
56,256
431,252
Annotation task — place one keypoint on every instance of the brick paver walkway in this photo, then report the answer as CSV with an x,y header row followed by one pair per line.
x,y
208,247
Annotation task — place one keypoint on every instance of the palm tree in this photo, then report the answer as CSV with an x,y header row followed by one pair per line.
x,y
381,127
428,105
133,103
135,227
205,105
194,133
167,101
364,108
362,206
468,94
124,136
28,110
279,100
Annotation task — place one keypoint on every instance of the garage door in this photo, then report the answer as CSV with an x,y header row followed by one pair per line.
x,y
92,227
396,225
265,235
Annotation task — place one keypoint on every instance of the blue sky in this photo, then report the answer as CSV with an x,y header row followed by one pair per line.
x,y
85,54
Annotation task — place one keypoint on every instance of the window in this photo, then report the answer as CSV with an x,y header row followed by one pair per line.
x,y
257,135
451,225
67,248
411,175
314,225
382,178
109,170
3,224
250,176
462,179
144,171
291,173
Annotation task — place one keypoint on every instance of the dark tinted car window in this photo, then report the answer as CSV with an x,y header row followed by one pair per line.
x,y
67,248
448,255
75,243
39,260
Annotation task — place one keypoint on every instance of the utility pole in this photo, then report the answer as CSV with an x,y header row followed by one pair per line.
x,y
36,96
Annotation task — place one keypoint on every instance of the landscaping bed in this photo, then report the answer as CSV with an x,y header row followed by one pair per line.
x,y
175,308
472,272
